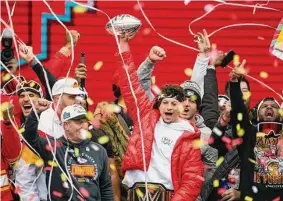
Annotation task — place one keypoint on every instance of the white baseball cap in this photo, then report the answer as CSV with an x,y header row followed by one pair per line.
x,y
73,112
67,86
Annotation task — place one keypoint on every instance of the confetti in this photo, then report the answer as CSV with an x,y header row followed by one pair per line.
x,y
186,2
146,31
237,141
240,116
241,132
198,144
6,77
215,183
65,184
263,75
219,161
276,199
85,134
63,177
275,63
52,163
89,101
103,139
155,89
153,79
89,115
252,161
221,191
280,111
208,7
117,109
236,60
112,167
254,188
98,65
77,152
217,131
246,95
84,192
139,192
189,72
39,162
260,134
79,9
194,98
226,140
32,84
95,123
4,106
238,127
136,6
214,46
248,198
21,130
260,38
210,140
180,108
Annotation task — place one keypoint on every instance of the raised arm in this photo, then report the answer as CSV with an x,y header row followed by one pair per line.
x,y
146,68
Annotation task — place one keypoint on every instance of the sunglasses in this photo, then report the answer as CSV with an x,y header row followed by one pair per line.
x,y
270,129
11,86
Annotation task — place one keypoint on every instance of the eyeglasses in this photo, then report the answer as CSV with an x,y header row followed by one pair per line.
x,y
30,85
10,87
270,129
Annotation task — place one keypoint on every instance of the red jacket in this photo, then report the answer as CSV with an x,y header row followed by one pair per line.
x,y
186,164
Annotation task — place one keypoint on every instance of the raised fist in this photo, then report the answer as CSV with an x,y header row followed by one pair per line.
x,y
7,110
26,52
41,105
75,36
156,54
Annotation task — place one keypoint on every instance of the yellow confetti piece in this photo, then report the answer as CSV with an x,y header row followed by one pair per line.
x,y
194,98
52,163
248,198
79,9
103,139
216,183
152,186
32,84
198,144
236,60
263,74
89,115
259,134
21,130
214,46
63,177
240,116
188,72
241,132
280,37
180,108
6,77
77,152
280,111
39,162
246,95
139,192
89,135
112,167
98,65
153,80
252,161
238,127
4,106
219,161
89,101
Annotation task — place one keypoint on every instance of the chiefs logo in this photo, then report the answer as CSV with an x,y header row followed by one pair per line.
x,y
83,170
75,85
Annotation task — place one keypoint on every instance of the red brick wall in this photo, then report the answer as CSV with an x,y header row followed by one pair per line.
x,y
170,19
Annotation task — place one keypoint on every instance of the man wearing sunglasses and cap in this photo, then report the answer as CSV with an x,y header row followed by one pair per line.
x,y
77,158
260,151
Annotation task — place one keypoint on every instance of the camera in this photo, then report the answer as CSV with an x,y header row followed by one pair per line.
x,y
7,53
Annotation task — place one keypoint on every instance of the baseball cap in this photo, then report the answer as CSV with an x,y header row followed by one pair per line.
x,y
73,112
67,86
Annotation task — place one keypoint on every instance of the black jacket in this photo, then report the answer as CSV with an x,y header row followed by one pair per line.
x,y
250,177
86,163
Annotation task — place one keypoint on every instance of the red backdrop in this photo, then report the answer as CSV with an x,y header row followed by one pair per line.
x,y
170,19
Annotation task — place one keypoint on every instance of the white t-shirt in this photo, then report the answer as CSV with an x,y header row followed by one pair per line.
x,y
159,171
50,123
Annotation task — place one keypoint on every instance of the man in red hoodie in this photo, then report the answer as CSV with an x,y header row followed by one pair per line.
x,y
160,152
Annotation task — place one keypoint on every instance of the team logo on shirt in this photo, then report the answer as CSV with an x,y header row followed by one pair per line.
x,y
84,170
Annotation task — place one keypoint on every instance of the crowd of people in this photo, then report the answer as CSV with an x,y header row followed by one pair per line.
x,y
185,143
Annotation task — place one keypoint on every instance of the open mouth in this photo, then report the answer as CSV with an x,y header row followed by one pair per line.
x,y
27,107
186,110
168,114
269,113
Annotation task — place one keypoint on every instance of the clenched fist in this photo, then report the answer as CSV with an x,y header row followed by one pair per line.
x,y
41,105
75,36
156,54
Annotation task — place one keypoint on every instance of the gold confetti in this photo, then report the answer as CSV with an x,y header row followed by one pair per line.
x,y
89,101
248,198
247,95
4,106
98,65
252,161
238,127
259,134
280,111
6,77
32,84
21,130
77,152
219,161
198,144
39,162
194,98
89,115
63,177
188,72
263,74
241,132
103,139
112,167
240,116
139,192
236,60
153,80
52,163
79,9
180,108
216,183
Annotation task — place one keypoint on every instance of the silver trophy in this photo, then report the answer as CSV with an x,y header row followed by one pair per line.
x,y
123,24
